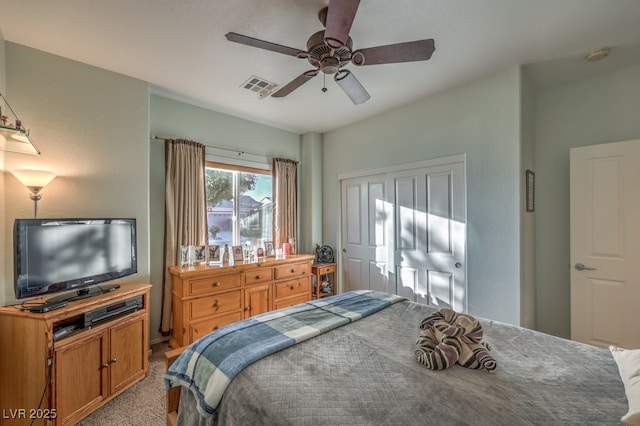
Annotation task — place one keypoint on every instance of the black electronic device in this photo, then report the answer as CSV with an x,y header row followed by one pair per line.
x,y
324,254
58,255
48,306
61,332
114,310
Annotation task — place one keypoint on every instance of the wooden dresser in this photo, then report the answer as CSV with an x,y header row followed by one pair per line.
x,y
207,297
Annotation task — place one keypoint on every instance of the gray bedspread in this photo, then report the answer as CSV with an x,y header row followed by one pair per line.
x,y
365,373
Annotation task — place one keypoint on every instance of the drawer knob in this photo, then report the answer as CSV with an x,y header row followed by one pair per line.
x,y
216,284
114,360
105,365
292,287
258,277
216,303
216,327
292,270
247,308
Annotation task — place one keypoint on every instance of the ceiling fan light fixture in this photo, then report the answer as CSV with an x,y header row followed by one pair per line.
x,y
352,87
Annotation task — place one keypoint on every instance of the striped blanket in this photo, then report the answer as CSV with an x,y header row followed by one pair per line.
x,y
209,364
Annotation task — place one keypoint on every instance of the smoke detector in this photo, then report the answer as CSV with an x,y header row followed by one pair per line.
x,y
260,86
598,54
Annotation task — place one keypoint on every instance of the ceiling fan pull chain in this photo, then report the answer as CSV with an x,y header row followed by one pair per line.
x,y
324,83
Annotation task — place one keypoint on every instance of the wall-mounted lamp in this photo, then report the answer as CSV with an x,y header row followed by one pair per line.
x,y
35,180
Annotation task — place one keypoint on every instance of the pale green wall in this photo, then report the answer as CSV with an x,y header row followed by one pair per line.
x,y
528,223
170,118
481,119
92,128
602,109
311,182
173,119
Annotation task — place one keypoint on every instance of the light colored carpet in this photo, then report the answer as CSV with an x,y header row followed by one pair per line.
x,y
142,404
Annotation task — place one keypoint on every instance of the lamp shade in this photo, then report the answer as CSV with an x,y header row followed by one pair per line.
x,y
35,180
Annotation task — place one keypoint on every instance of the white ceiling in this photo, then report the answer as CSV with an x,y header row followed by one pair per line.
x,y
180,48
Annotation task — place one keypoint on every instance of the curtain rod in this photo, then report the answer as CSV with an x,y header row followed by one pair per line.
x,y
240,152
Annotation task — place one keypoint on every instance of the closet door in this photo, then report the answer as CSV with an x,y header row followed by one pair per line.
x,y
430,235
404,232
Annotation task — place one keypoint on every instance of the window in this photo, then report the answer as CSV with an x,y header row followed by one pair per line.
x,y
239,209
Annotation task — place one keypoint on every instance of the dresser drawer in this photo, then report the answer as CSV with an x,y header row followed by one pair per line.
x,y
279,304
211,284
258,276
211,305
201,328
292,287
323,270
293,270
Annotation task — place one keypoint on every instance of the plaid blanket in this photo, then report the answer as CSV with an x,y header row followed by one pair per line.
x,y
209,364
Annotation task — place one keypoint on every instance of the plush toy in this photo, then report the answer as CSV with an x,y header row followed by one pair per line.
x,y
447,338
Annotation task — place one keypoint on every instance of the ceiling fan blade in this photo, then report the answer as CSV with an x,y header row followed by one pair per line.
x,y
254,42
339,19
352,87
419,50
295,83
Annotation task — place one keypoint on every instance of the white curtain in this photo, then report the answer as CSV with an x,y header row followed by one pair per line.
x,y
185,210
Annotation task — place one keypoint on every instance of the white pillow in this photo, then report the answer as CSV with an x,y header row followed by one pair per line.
x,y
628,361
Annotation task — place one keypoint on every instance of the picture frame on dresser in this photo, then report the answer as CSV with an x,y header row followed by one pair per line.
x,y
237,253
185,255
214,254
198,254
269,249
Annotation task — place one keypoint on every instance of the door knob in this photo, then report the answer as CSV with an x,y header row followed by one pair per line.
x,y
581,267
458,265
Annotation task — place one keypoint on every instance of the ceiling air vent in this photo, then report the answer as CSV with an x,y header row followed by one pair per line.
x,y
259,85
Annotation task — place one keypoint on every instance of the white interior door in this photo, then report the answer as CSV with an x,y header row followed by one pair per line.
x,y
605,244
404,232
365,213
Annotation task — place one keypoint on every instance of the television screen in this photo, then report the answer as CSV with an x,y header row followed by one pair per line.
x,y
54,255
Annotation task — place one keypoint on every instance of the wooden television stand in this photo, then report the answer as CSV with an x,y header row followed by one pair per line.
x,y
75,374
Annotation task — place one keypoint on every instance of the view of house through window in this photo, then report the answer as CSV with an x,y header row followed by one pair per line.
x,y
239,210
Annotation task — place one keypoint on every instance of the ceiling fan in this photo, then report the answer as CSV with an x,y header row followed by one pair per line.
x,y
331,49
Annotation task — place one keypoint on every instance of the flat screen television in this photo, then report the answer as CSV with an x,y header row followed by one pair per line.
x,y
58,255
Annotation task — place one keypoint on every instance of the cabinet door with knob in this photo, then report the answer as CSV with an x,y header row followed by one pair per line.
x,y
257,299
127,354
81,380
100,364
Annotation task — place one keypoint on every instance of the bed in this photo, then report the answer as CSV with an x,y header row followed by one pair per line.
x,y
365,371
